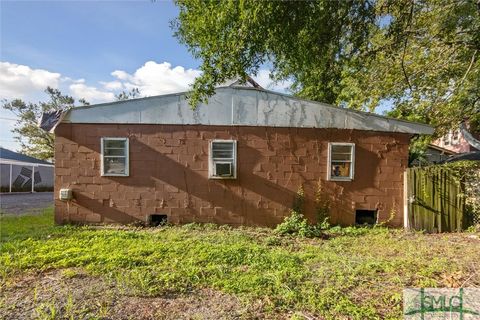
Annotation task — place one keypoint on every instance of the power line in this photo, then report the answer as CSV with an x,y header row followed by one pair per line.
x,y
5,118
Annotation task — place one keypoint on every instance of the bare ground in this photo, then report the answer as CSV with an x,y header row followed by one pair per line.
x,y
76,295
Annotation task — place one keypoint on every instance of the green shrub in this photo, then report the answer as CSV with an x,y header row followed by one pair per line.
x,y
296,224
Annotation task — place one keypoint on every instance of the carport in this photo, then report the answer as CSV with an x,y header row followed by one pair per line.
x,y
22,173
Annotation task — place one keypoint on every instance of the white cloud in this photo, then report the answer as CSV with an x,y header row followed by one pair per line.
x,y
122,75
161,78
157,78
19,81
112,85
152,78
263,79
80,90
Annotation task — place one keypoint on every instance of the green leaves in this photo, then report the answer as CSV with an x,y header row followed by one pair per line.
x,y
306,41
423,55
35,141
425,63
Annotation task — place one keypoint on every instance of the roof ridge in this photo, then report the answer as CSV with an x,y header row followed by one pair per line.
x,y
233,106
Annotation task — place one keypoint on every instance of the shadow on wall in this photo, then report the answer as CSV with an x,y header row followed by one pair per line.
x,y
250,199
256,197
373,178
85,208
239,201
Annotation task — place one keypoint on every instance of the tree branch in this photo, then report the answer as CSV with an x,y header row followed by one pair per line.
x,y
472,61
410,16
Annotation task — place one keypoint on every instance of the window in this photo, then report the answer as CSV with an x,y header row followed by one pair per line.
x,y
223,159
114,157
446,139
341,161
455,136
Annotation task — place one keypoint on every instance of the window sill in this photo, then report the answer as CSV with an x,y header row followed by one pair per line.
x,y
222,178
340,179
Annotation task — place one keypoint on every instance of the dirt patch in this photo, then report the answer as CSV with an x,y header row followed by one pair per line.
x,y
73,294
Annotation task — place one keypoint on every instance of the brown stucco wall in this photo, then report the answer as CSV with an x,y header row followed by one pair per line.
x,y
169,174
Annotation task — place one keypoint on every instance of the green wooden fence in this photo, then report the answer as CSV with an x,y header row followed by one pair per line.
x,y
434,200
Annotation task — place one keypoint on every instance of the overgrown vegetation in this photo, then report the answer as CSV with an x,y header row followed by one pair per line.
x,y
296,223
357,273
468,174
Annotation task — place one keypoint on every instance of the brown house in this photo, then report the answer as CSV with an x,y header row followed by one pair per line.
x,y
238,160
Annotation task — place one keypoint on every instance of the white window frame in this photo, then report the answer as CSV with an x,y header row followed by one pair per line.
x,y
127,157
329,163
211,161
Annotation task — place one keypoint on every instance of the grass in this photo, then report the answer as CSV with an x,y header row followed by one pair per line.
x,y
357,273
26,226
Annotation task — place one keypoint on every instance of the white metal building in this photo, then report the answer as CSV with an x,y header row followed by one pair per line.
x,y
22,173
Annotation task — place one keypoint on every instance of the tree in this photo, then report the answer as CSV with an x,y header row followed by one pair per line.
x,y
127,95
33,140
425,60
421,55
306,41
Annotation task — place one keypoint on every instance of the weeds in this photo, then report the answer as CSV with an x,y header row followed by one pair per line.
x,y
296,224
358,273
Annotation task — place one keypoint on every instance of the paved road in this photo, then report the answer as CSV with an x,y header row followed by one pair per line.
x,y
18,203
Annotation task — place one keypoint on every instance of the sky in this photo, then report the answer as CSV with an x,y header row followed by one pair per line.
x,y
92,50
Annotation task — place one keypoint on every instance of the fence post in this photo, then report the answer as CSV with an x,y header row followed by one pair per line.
x,y
33,178
10,185
406,223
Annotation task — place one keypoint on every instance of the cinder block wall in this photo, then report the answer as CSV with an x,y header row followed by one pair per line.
x,y
169,174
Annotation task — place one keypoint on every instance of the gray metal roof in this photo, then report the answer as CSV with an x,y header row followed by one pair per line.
x,y
472,156
240,106
6,154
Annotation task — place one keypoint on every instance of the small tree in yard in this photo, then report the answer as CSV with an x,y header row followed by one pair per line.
x,y
34,141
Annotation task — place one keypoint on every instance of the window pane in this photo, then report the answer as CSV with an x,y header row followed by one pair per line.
x,y
114,152
340,169
114,165
341,149
341,156
222,150
114,143
223,169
